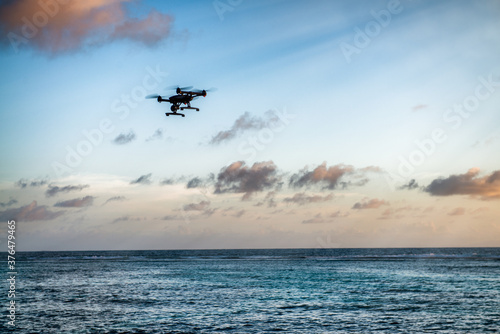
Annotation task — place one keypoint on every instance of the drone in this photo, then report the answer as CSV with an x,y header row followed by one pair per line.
x,y
184,97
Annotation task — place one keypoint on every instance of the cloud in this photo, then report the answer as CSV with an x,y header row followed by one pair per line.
x,y
486,187
169,217
76,203
126,218
9,203
55,27
30,212
191,182
329,176
391,213
148,31
269,199
23,183
166,182
156,136
115,198
338,214
372,169
412,184
239,213
302,199
318,219
143,179
54,190
238,178
124,138
457,212
194,183
371,204
244,123
201,206
419,107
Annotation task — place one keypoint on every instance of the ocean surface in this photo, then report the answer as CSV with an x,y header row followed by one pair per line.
x,y
442,290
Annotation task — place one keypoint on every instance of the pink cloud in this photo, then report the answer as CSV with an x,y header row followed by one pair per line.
x,y
470,183
56,26
30,212
371,204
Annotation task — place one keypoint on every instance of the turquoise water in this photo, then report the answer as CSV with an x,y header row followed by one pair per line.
x,y
259,291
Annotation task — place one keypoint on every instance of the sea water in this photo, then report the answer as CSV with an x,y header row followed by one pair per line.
x,y
447,290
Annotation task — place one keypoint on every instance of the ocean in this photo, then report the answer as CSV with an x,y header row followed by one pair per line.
x,y
411,290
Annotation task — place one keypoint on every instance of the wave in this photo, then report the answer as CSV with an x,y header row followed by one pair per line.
x,y
372,254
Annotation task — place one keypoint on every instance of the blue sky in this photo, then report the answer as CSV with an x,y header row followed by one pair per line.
x,y
354,98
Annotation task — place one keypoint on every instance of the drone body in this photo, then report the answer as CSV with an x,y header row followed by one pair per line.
x,y
183,97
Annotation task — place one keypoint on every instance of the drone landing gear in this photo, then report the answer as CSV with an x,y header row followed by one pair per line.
x,y
197,109
174,113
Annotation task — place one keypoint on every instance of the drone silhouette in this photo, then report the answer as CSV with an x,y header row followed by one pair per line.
x,y
184,97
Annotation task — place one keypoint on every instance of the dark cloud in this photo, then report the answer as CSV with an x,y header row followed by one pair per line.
x,y
77,25
244,123
328,176
194,183
170,217
201,206
124,138
54,190
412,184
143,179
121,219
302,199
115,198
238,178
76,203
30,212
126,218
9,203
191,182
23,183
371,204
156,136
486,187
165,182
359,183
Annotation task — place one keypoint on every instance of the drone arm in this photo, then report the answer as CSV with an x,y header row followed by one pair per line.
x,y
193,93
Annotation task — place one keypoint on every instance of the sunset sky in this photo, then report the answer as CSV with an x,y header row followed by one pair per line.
x,y
333,124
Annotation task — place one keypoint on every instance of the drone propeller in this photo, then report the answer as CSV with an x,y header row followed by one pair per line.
x,y
181,88
152,96
213,89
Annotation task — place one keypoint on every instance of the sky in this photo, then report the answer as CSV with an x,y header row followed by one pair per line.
x,y
329,124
